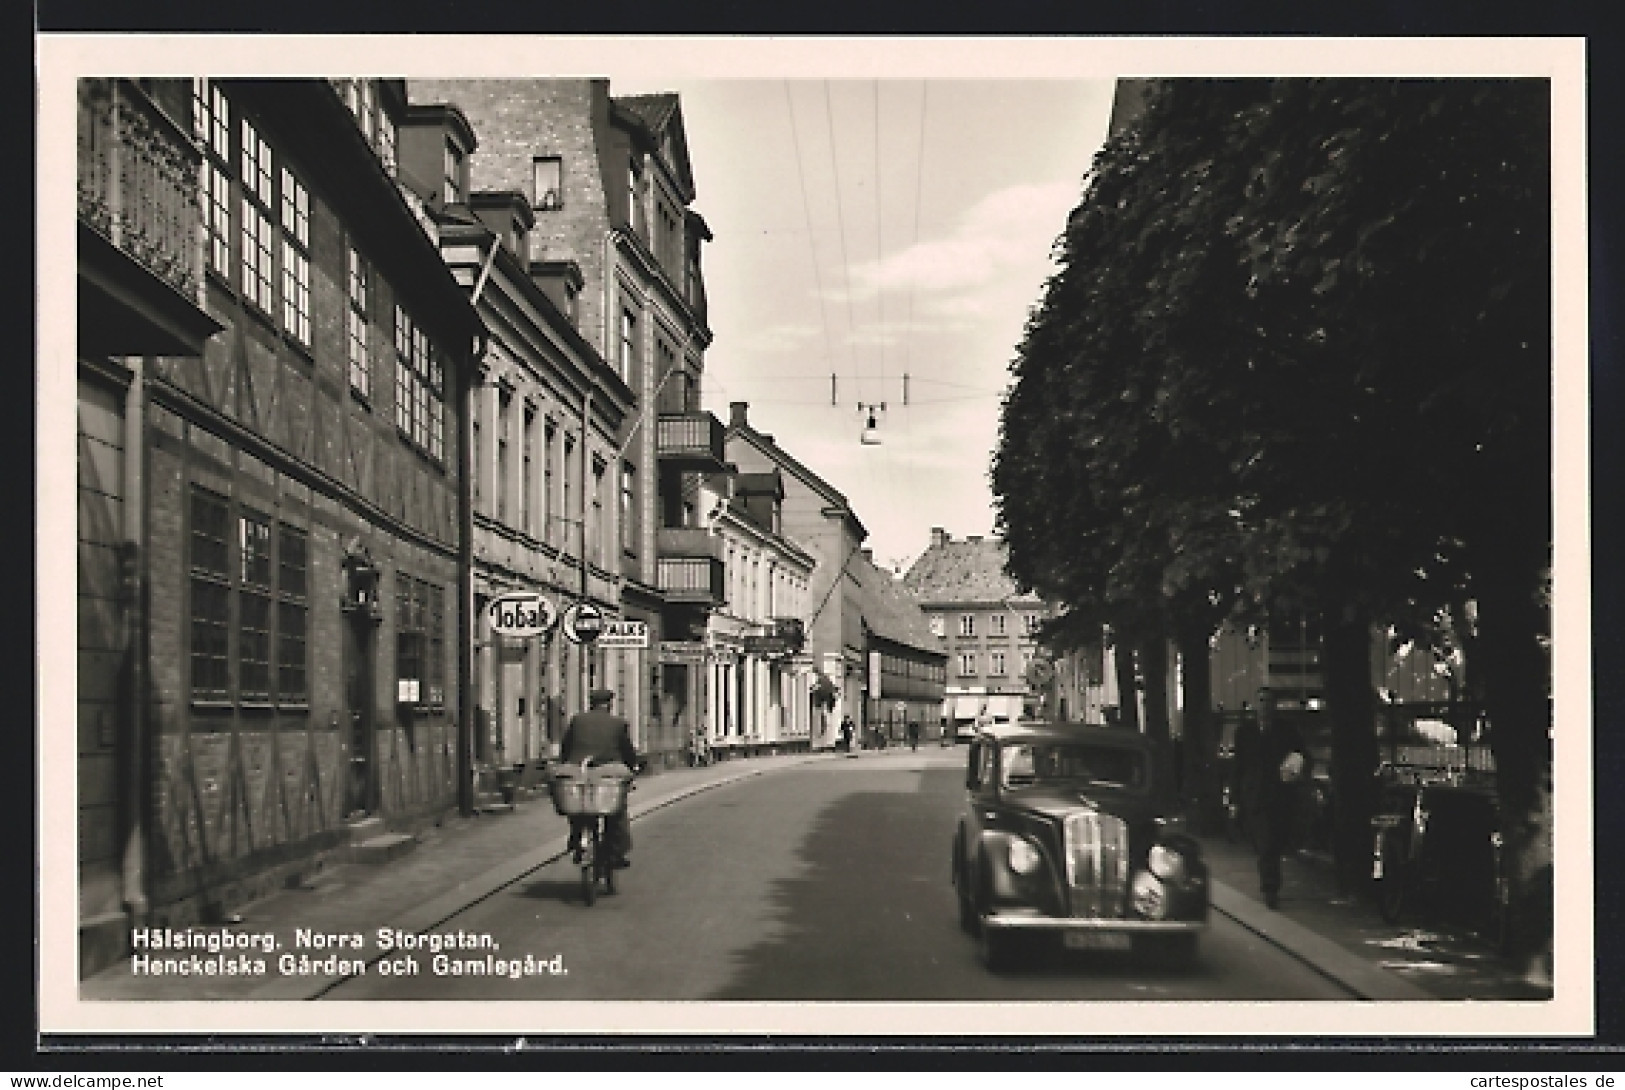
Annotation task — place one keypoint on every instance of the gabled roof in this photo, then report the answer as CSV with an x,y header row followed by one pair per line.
x,y
661,116
970,570
889,610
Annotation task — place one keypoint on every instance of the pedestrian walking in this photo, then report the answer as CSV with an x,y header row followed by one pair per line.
x,y
913,735
1276,764
846,733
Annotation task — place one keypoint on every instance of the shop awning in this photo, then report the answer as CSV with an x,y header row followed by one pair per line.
x,y
1006,708
968,707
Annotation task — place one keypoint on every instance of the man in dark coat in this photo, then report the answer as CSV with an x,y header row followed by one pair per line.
x,y
1280,763
606,738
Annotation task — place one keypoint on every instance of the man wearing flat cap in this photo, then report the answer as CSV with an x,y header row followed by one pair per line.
x,y
606,738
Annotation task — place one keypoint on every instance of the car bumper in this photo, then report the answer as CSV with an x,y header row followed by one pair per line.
x,y
1021,921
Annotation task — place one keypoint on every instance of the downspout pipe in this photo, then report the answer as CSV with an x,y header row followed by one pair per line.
x,y
132,577
467,381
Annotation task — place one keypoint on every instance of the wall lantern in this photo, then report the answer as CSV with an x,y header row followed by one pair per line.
x,y
360,584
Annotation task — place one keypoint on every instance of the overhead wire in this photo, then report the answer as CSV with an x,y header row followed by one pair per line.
x,y
806,212
840,222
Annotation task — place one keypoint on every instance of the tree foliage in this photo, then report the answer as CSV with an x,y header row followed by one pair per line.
x,y
1296,352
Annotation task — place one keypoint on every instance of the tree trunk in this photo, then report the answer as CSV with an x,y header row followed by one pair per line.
x,y
1198,747
1350,703
1128,705
1153,654
1516,679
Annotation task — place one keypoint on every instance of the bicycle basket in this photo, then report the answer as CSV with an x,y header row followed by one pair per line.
x,y
589,796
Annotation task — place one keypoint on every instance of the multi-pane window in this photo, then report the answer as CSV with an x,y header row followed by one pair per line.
x,y
254,607
967,624
361,98
504,471
997,621
629,508
1026,661
419,404
526,480
420,656
624,361
967,665
549,437
295,257
210,585
548,176
292,685
452,183
355,321
258,233
997,664
211,120
250,614
1030,623
595,521
569,477
634,206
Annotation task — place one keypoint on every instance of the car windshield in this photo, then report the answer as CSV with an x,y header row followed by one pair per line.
x,y
1076,764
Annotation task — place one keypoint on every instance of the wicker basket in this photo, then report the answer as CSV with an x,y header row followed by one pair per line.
x,y
593,795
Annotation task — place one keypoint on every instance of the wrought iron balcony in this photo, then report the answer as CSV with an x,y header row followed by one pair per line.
x,y
140,240
694,441
686,542
694,580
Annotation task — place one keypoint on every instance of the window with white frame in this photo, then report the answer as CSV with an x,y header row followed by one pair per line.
x,y
967,624
625,362
295,257
355,321
997,621
1030,623
211,122
419,404
527,506
629,508
547,183
997,664
258,234
967,664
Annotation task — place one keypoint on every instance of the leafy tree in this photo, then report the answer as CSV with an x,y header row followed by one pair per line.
x,y
1296,354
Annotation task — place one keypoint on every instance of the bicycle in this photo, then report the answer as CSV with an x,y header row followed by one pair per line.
x,y
589,802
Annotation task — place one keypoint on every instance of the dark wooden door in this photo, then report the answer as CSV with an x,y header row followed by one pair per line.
x,y
361,788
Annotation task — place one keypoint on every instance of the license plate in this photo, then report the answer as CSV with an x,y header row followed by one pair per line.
x,y
1095,940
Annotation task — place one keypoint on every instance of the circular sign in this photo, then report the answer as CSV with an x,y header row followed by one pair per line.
x,y
521,613
582,622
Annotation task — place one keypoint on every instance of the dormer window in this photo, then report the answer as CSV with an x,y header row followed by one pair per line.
x,y
455,182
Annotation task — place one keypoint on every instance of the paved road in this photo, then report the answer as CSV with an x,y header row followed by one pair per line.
x,y
825,881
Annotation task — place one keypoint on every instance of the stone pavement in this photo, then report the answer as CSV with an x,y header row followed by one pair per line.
x,y
1439,958
455,864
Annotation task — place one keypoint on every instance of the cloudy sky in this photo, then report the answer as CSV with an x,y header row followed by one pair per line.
x,y
871,229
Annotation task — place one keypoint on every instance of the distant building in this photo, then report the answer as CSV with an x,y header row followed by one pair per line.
x,y
865,637
988,631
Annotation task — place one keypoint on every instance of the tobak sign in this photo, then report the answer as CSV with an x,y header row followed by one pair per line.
x,y
521,613
582,622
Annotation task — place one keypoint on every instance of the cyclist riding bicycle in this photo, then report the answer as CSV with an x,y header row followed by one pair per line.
x,y
606,738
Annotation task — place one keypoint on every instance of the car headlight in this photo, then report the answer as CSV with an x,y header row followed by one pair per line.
x,y
1024,858
1150,899
1165,862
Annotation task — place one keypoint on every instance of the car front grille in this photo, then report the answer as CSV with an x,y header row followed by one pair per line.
x,y
1097,864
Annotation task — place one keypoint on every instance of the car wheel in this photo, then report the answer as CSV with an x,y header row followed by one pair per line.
x,y
996,948
969,921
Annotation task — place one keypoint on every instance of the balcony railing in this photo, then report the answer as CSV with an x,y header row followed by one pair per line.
x,y
692,579
138,181
691,440
689,543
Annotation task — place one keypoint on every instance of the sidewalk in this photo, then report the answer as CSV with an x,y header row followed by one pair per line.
x,y
1344,936
453,865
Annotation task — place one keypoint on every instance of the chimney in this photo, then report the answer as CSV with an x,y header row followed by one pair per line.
x,y
939,537
738,414
868,554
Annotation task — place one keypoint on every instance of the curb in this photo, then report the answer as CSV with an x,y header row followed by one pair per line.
x,y
437,911
1348,971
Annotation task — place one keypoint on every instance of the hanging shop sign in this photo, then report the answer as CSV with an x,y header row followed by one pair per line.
x,y
681,651
521,613
582,622
624,633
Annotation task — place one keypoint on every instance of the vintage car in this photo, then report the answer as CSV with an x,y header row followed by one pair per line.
x,y
1075,831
